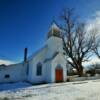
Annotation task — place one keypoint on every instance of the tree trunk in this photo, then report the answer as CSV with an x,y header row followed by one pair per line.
x,y
80,71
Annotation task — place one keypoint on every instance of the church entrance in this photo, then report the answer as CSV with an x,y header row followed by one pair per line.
x,y
59,74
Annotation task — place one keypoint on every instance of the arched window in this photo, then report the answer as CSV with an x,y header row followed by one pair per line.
x,y
39,69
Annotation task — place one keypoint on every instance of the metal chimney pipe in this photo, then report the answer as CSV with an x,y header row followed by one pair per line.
x,y
25,55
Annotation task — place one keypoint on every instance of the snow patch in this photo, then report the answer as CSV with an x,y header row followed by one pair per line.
x,y
87,90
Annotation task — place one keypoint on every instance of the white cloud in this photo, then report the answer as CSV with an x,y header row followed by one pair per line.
x,y
93,61
94,22
6,62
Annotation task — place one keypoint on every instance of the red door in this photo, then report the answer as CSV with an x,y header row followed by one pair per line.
x,y
59,75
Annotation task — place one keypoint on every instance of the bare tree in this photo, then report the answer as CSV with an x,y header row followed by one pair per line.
x,y
96,48
77,42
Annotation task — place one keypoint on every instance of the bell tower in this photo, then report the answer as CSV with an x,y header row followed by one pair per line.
x,y
54,41
54,30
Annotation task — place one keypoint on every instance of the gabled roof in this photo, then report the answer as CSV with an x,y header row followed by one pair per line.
x,y
37,52
53,57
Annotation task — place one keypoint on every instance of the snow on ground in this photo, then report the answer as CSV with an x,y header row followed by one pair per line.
x,y
83,90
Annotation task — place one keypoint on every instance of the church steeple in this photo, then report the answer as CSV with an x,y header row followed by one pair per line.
x,y
54,30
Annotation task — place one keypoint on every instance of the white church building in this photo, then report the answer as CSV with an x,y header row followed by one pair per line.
x,y
47,65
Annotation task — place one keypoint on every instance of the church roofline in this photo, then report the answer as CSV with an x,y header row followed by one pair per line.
x,y
54,30
35,53
54,23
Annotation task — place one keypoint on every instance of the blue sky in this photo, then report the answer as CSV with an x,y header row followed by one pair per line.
x,y
25,23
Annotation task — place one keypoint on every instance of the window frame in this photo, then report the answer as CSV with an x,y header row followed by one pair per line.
x,y
39,69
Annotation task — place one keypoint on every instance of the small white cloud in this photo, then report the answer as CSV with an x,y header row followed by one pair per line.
x,y
97,14
6,62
